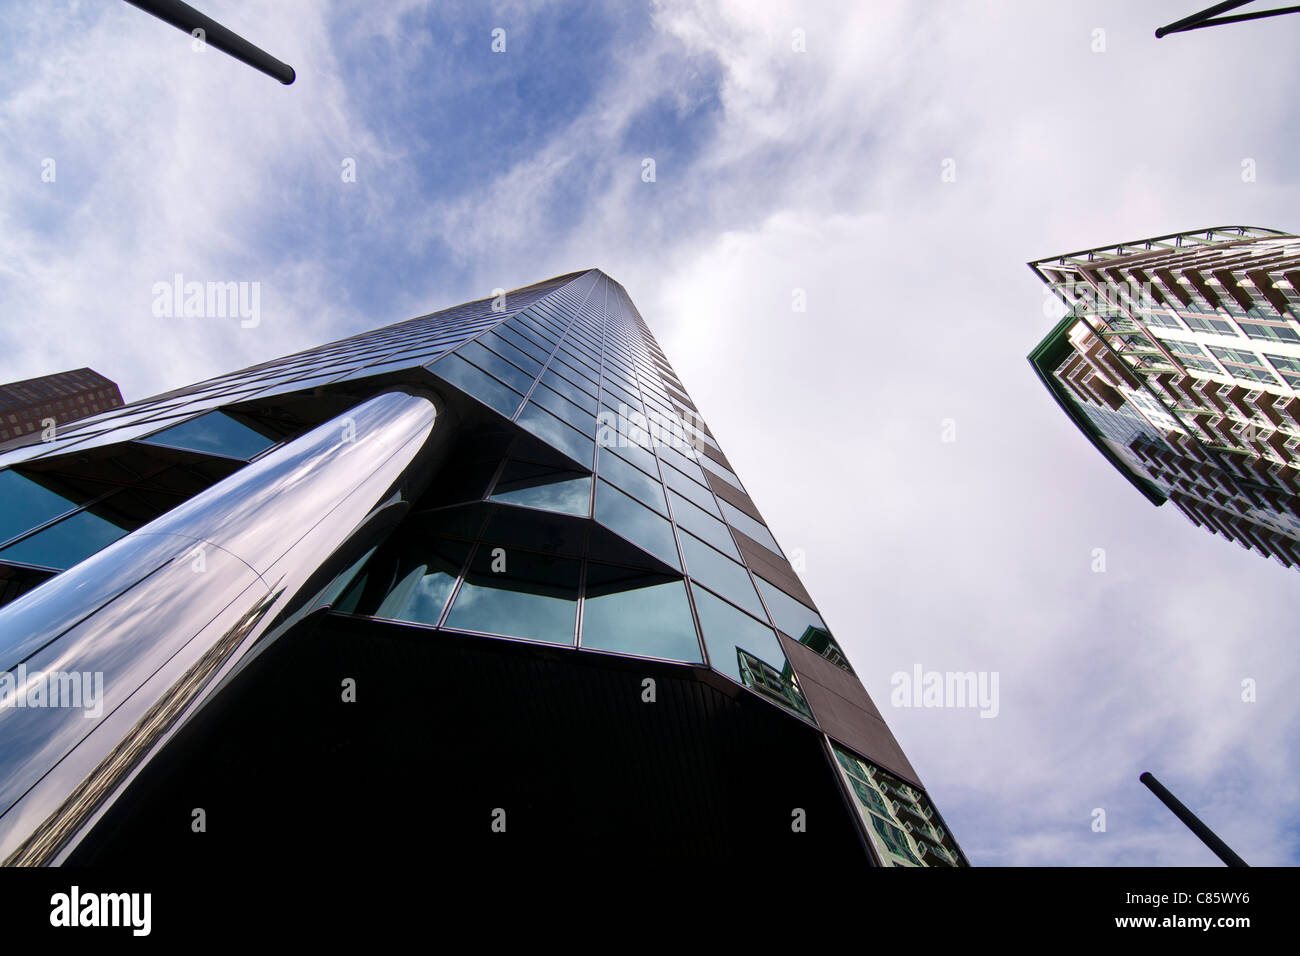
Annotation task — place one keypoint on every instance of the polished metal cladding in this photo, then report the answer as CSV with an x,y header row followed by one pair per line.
x,y
167,612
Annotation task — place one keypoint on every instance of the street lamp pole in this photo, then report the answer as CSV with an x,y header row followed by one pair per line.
x,y
1208,836
184,17
1209,17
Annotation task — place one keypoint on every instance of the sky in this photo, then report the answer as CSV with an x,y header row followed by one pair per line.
x,y
895,164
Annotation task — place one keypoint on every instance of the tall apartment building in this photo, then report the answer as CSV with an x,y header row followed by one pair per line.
x,y
34,405
479,584
1179,358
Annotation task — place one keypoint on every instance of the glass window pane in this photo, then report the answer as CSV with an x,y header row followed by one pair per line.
x,y
894,838
697,437
725,629
719,472
570,391
632,480
637,613
868,796
215,433
406,581
574,375
671,450
575,359
609,436
512,354
24,504
524,529
547,338
721,574
524,344
1288,366
616,396
418,596
627,517
620,369
747,525
490,362
698,494
518,594
576,344
66,542
802,623
564,409
790,615
852,764
343,586
700,523
537,486
479,384
390,365
556,433
422,590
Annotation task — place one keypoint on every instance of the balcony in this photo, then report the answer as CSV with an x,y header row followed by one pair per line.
x,y
1267,406
1223,428
1209,392
936,855
1236,397
923,835
1288,407
908,813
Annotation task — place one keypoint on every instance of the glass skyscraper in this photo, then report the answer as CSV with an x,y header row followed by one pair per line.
x,y
477,583
1179,358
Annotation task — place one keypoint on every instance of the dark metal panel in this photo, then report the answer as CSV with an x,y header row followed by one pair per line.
x,y
733,497
447,728
845,710
772,567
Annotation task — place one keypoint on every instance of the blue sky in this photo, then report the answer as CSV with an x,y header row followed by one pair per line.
x,y
776,170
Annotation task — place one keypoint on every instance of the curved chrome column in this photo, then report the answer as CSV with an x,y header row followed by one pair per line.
x,y
167,611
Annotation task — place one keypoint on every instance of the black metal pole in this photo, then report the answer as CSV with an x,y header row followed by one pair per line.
x,y
184,17
1196,19
1208,837
1208,18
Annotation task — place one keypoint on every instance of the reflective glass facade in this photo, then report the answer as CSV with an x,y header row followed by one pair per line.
x,y
579,505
